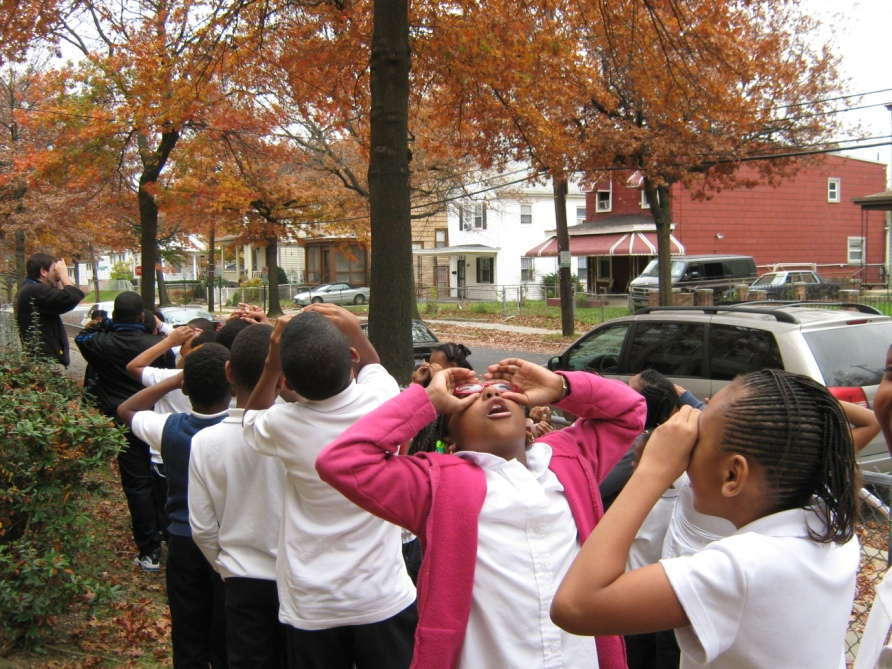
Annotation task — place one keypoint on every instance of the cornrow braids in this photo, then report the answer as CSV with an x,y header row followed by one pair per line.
x,y
797,432
660,397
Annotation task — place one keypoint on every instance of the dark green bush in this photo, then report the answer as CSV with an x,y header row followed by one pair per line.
x,y
52,442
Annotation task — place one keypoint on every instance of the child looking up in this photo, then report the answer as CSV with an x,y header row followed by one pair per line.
x,y
499,522
772,453
194,590
235,510
344,592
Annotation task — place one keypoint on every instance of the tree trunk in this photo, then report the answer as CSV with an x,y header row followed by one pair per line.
x,y
212,259
565,276
272,271
153,162
660,209
391,258
95,267
20,271
163,297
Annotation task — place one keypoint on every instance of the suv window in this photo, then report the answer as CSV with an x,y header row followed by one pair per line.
x,y
673,349
714,270
851,356
736,350
600,352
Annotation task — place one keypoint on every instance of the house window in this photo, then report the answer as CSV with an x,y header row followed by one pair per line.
x,y
526,214
605,268
580,215
582,269
480,216
644,203
440,238
855,250
472,217
833,184
484,270
527,271
604,194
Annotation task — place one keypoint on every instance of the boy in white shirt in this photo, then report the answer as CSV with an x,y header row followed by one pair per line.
x,y
235,510
344,591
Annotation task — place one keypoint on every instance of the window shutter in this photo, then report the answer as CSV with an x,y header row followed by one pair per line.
x,y
484,215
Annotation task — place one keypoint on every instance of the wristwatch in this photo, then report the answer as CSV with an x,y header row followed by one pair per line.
x,y
565,386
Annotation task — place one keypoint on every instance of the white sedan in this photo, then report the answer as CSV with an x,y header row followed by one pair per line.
x,y
333,293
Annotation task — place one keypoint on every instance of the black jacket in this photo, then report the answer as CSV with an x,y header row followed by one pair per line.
x,y
109,347
46,303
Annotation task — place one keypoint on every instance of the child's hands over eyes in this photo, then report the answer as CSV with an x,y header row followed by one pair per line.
x,y
536,385
443,385
668,451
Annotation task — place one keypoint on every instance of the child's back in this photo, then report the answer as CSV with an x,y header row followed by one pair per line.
x,y
343,587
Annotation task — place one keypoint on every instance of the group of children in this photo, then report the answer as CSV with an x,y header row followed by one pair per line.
x,y
286,515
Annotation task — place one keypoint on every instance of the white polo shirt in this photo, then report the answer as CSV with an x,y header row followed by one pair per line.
x,y
526,541
235,501
337,564
767,596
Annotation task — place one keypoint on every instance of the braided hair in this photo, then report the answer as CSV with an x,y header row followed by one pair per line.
x,y
660,397
796,430
456,353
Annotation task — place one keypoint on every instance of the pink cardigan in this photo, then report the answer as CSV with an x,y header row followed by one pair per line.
x,y
438,497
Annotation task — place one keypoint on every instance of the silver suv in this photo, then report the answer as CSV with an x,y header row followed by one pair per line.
x,y
704,348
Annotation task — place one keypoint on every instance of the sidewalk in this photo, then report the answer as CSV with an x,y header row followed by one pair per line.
x,y
484,325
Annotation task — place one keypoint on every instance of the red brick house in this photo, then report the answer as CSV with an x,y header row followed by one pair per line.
x,y
808,219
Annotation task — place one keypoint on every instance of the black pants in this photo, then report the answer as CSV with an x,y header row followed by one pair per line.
x,y
136,480
388,644
195,596
254,635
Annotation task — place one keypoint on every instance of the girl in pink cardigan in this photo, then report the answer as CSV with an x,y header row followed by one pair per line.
x,y
500,521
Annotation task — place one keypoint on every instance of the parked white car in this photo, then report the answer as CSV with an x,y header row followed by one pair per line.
x,y
333,293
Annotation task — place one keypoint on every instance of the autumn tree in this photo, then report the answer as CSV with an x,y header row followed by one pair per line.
x,y
691,89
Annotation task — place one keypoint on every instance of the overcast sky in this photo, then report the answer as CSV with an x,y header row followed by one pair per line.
x,y
861,34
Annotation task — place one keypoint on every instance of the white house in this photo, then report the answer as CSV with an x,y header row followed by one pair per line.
x,y
481,255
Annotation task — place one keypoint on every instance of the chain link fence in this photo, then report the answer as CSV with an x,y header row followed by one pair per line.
x,y
873,533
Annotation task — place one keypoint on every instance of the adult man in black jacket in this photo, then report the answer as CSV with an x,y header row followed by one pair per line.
x,y
47,293
108,346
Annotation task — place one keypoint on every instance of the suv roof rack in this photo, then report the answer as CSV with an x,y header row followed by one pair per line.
x,y
781,316
853,306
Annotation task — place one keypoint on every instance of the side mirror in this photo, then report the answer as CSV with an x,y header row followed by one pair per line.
x,y
554,364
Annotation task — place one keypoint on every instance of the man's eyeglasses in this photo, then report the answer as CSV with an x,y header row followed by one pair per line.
x,y
471,388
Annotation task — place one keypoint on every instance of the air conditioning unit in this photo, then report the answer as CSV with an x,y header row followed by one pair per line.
x,y
603,205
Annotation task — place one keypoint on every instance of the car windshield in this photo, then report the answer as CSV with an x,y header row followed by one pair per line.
x,y
769,280
851,356
421,334
653,266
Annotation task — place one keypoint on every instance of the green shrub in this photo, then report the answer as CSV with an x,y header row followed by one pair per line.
x,y
53,441
283,277
121,270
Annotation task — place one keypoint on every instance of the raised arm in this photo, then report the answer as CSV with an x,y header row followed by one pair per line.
x,y
349,324
145,359
264,394
863,422
597,595
145,399
882,401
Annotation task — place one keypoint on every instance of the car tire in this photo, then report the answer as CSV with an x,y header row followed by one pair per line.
x,y
316,300
359,299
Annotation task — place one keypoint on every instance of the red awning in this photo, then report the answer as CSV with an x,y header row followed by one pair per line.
x,y
609,244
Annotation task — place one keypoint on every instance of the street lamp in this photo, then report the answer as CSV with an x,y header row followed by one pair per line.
x,y
718,236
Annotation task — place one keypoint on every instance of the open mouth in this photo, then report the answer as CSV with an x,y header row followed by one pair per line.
x,y
498,409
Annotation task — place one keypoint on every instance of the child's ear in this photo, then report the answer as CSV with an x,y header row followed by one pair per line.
x,y
354,355
735,474
229,376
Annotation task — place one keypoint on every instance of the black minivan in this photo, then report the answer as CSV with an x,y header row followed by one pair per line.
x,y
690,273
